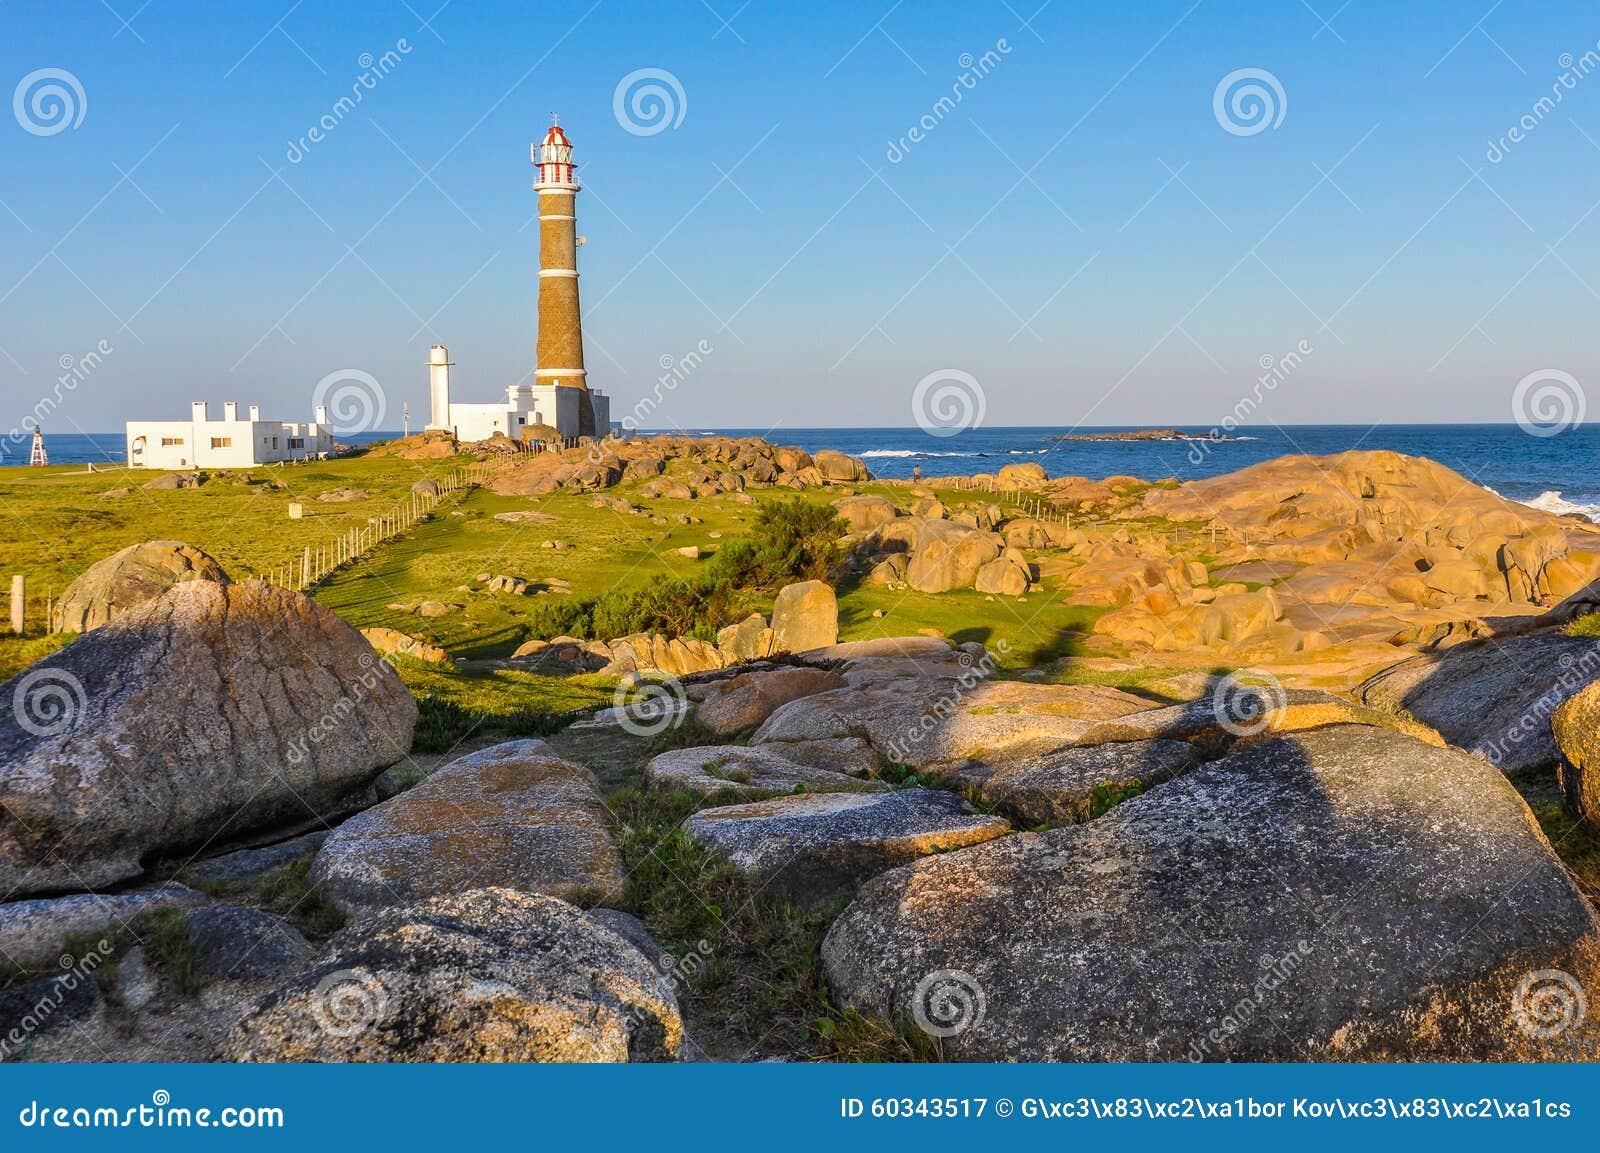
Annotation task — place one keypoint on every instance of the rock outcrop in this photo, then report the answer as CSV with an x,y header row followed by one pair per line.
x,y
127,579
1495,697
34,934
514,815
1347,893
486,975
816,846
210,712
744,701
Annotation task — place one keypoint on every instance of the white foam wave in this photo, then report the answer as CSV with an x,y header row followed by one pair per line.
x,y
901,452
1551,501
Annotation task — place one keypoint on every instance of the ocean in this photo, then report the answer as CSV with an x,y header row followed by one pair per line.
x,y
1558,473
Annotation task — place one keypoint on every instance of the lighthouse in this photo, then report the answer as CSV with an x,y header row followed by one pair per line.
x,y
560,348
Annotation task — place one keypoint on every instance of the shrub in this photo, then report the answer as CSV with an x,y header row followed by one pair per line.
x,y
790,541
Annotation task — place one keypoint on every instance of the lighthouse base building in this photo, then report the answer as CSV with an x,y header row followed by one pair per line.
x,y
525,413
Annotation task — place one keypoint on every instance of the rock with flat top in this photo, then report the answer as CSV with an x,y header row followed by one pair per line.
x,y
815,847
804,766
1072,784
513,815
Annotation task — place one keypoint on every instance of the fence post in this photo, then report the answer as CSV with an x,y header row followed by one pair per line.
x,y
19,602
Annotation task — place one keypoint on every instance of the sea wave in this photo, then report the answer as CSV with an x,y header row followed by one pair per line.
x,y
899,452
1552,501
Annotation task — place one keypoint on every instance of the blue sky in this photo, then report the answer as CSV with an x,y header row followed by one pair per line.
x,y
1081,234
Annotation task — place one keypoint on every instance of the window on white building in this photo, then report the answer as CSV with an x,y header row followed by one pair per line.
x,y
222,442
296,442
169,441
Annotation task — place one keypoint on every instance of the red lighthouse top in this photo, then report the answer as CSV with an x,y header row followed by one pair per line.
x,y
554,158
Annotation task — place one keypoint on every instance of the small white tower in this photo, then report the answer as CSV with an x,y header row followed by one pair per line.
x,y
439,389
38,458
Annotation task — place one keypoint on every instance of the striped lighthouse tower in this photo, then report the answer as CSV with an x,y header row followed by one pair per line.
x,y
560,350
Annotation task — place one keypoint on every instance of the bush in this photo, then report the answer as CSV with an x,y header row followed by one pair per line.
x,y
790,541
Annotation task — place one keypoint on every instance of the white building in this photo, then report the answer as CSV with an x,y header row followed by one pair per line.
x,y
555,404
233,442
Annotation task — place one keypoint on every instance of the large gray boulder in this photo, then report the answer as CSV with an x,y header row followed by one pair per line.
x,y
127,579
1495,697
209,712
1344,893
485,975
1576,727
815,846
514,815
929,709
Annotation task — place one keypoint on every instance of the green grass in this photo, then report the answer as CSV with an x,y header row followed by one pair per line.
x,y
1584,626
495,703
761,989
1576,842
289,893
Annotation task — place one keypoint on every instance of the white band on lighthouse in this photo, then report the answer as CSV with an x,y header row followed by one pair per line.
x,y
572,272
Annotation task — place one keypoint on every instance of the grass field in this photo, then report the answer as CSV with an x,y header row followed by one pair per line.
x,y
60,520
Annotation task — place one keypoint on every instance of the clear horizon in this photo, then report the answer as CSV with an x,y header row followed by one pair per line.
x,y
1101,219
